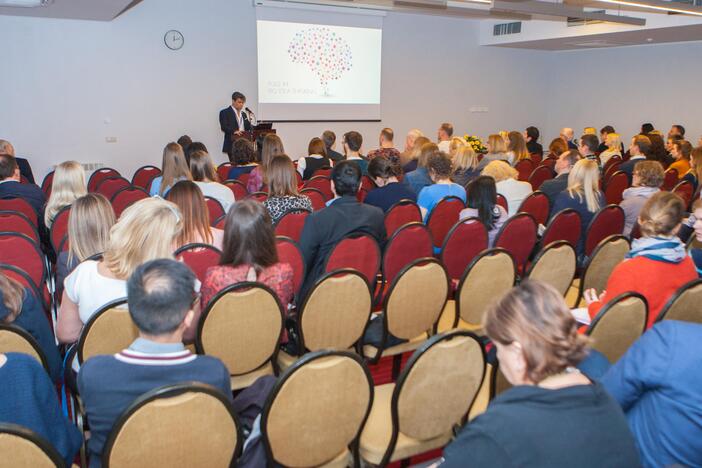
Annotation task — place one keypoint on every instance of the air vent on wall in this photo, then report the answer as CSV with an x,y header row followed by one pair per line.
x,y
582,21
507,28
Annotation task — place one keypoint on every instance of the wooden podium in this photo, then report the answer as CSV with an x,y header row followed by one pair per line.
x,y
258,133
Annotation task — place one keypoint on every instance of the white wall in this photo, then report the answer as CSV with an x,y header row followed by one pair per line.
x,y
67,85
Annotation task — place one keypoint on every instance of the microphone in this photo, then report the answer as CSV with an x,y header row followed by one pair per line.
x,y
251,115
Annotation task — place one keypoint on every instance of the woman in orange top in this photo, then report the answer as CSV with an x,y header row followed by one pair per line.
x,y
657,264
681,150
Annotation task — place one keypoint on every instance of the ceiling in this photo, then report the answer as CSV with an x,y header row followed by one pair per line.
x,y
98,10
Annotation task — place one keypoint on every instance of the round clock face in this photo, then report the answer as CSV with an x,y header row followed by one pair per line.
x,y
174,39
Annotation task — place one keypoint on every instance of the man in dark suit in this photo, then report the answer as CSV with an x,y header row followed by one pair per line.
x,y
10,186
344,215
532,141
24,167
233,121
564,164
640,147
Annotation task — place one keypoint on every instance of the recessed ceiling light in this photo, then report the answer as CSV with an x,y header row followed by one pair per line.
x,y
25,3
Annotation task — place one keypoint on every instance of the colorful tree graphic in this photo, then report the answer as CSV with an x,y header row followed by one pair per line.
x,y
322,51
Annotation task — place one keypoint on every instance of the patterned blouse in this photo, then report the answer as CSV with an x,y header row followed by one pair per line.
x,y
277,206
391,153
278,277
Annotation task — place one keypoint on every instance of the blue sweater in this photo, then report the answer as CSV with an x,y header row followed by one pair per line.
x,y
658,383
386,196
28,398
417,179
431,195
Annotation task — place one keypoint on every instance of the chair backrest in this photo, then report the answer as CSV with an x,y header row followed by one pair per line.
x,y
685,190
610,252
22,447
408,243
357,251
16,340
47,183
555,265
238,188
109,331
685,304
612,167
518,236
403,212
489,277
59,226
14,221
524,168
100,175
143,176
214,207
25,280
321,183
241,325
316,197
258,196
125,197
335,312
615,187
22,252
502,201
565,225
189,424
316,409
466,239
223,170
442,218
614,160
618,324
243,178
199,257
670,179
538,206
291,224
549,162
289,252
20,205
111,185
607,222
540,175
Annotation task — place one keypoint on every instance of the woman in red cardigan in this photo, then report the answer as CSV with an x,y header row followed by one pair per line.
x,y
657,264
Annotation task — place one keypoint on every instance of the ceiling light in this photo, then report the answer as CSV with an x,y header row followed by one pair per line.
x,y
653,7
25,3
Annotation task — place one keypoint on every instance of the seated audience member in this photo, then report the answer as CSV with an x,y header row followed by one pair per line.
x,y
271,147
613,144
10,186
557,147
388,189
659,386
161,295
465,166
19,307
648,177
174,170
572,420
531,134
696,221
583,194
329,139
669,143
316,159
89,227
482,204
657,264
517,146
508,186
184,141
658,151
419,178
344,215
443,136
567,134
640,146
195,217
681,154
67,185
193,147
411,160
206,179
588,148
497,151
553,187
604,131
455,144
387,147
282,189
24,166
678,130
243,158
148,229
351,142
28,399
694,175
647,128
249,254
410,140
439,167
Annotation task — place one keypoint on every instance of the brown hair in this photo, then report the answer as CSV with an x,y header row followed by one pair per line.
x,y
439,165
193,209
535,315
557,147
282,180
272,146
448,128
517,145
316,146
174,166
382,167
425,152
684,147
696,162
202,168
661,214
644,144
8,165
417,148
650,173
12,296
249,238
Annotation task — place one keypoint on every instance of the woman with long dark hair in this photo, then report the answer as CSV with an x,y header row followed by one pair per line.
x,y
482,204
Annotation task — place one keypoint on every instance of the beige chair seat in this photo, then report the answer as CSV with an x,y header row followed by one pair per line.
x,y
344,460
286,360
377,432
243,381
411,345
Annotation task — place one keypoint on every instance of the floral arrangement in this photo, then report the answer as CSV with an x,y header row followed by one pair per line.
x,y
475,143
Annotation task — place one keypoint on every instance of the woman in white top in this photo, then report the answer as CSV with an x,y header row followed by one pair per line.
x,y
196,217
614,145
146,230
68,184
317,159
507,184
205,177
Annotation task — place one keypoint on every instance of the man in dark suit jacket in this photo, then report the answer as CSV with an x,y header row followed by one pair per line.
x,y
10,186
24,167
564,164
233,121
344,215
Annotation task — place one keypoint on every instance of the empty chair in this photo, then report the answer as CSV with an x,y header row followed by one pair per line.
x,y
289,252
607,222
291,224
518,237
23,448
214,207
144,175
618,324
316,197
359,252
14,221
125,197
409,243
401,213
111,185
59,228
555,265
538,206
466,239
100,175
442,218
540,175
21,251
565,225
610,252
685,304
199,257
615,187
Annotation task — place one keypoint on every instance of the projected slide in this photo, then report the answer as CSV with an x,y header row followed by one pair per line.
x,y
318,64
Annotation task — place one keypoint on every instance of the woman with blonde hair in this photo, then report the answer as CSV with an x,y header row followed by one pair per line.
x,y
174,169
205,177
497,151
613,141
514,191
147,230
271,147
455,143
517,146
413,156
465,165
283,195
68,184
195,216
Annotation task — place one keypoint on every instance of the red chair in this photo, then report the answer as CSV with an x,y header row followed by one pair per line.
x,y
108,187
614,160
611,170
25,280
615,188
237,188
323,172
540,175
244,179
321,183
670,180
564,226
518,237
100,175
46,184
607,222
524,167
298,178
258,196
316,197
549,162
466,239
442,218
125,197
538,206
21,251
289,252
21,206
59,227
223,171
220,222
367,185
408,243
199,257
144,175
291,224
358,251
401,213
214,207
685,190
502,201
536,157
14,221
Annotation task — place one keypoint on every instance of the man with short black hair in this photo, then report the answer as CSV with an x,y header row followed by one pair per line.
x,y
564,164
677,129
604,131
329,139
640,147
11,187
387,147
647,128
352,149
234,121
531,134
444,136
588,148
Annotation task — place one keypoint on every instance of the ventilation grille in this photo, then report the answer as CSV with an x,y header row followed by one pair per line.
x,y
93,166
583,21
507,28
